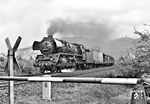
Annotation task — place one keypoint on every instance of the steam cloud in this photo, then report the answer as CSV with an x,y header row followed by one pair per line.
x,y
96,33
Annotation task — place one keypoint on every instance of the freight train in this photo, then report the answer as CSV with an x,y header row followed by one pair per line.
x,y
58,55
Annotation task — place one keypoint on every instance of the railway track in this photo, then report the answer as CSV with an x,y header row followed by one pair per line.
x,y
5,84
80,73
71,74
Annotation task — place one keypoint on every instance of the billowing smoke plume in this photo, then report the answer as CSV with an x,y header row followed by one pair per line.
x,y
94,32
51,30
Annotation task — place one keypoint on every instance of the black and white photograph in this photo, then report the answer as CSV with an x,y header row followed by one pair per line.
x,y
74,52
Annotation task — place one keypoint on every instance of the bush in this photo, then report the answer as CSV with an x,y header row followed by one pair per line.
x,y
26,66
140,64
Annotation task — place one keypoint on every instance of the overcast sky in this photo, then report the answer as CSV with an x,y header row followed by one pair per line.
x,y
30,18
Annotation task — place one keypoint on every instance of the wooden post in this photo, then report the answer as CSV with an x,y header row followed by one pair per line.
x,y
10,67
11,83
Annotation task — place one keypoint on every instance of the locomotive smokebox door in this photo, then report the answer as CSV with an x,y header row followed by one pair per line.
x,y
46,89
138,97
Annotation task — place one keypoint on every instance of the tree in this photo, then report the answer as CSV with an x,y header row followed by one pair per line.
x,y
141,63
142,52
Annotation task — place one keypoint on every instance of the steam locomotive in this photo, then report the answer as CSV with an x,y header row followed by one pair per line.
x,y
58,55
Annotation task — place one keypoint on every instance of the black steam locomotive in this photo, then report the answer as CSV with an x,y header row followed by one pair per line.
x,y
58,55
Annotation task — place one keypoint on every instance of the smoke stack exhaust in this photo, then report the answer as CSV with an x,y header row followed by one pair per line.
x,y
51,30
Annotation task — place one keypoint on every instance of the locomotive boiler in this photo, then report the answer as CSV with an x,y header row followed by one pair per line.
x,y
58,55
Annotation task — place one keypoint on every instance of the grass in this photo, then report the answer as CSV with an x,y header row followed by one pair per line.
x,y
72,93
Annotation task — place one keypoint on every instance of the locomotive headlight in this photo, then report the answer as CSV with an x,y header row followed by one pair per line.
x,y
51,59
